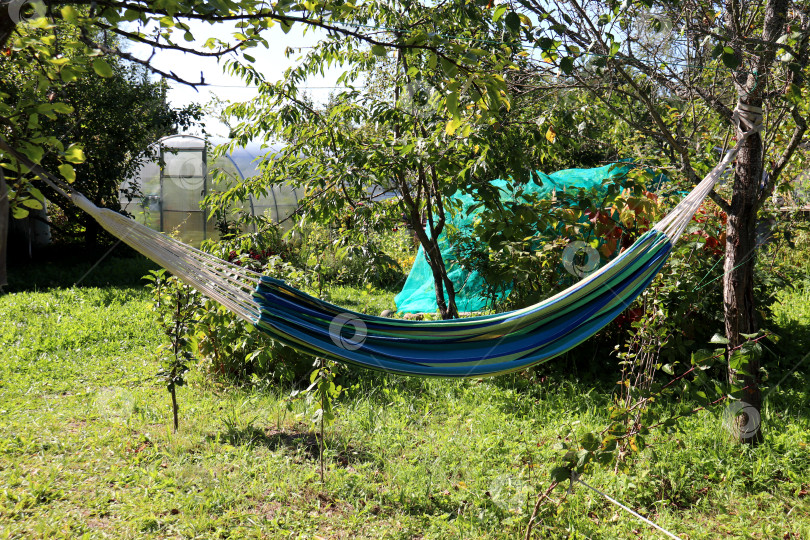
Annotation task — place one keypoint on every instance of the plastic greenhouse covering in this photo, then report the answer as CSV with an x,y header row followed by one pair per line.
x,y
169,197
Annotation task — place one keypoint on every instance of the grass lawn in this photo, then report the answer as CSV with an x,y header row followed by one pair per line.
x,y
86,447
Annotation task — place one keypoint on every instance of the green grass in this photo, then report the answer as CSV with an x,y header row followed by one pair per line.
x,y
86,447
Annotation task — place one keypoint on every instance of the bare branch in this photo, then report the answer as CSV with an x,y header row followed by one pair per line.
x,y
115,51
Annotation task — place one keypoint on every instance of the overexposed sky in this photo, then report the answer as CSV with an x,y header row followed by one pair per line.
x,y
271,62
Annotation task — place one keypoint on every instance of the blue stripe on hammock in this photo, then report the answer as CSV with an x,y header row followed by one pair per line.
x,y
386,352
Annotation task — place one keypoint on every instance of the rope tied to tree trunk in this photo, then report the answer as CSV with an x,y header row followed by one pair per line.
x,y
749,120
749,115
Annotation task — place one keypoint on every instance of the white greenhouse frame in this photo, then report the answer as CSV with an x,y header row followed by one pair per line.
x,y
172,187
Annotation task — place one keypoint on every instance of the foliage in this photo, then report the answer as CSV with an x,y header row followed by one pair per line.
x,y
425,125
675,74
322,391
175,305
520,245
674,320
355,252
234,349
471,79
109,123
353,249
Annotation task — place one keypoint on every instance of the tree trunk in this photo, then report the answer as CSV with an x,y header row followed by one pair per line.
x,y
7,24
442,282
4,223
175,409
430,244
738,279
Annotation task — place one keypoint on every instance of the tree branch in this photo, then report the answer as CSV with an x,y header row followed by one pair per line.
x,y
720,201
790,149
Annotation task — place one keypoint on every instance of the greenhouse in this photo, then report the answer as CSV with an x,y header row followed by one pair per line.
x,y
168,198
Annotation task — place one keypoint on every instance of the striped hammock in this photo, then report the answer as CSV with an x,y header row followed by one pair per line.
x,y
472,347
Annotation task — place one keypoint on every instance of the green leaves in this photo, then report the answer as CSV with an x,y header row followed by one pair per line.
x,y
452,126
175,305
513,22
74,154
62,108
102,68
70,14
705,358
727,55
33,152
560,474
567,65
450,68
67,172
68,74
33,204
730,59
748,353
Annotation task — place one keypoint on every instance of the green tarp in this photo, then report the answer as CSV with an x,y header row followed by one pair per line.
x,y
418,294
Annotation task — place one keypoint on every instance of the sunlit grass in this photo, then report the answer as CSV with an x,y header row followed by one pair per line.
x,y
86,446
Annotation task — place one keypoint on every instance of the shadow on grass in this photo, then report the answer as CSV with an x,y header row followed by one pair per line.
x,y
65,266
303,443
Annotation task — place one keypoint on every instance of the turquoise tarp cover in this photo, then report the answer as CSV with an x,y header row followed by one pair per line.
x,y
418,294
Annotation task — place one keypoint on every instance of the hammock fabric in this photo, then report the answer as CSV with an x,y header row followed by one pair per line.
x,y
474,347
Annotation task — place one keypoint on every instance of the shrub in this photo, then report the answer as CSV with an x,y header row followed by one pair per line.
x,y
526,255
311,258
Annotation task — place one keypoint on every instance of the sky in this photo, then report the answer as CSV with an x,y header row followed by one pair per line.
x,y
271,62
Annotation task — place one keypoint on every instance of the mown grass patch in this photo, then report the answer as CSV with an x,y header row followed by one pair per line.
x,y
86,446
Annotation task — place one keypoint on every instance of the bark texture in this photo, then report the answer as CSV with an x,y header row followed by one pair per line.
x,y
4,223
738,281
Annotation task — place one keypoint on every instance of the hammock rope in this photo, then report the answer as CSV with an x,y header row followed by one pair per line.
x,y
473,347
